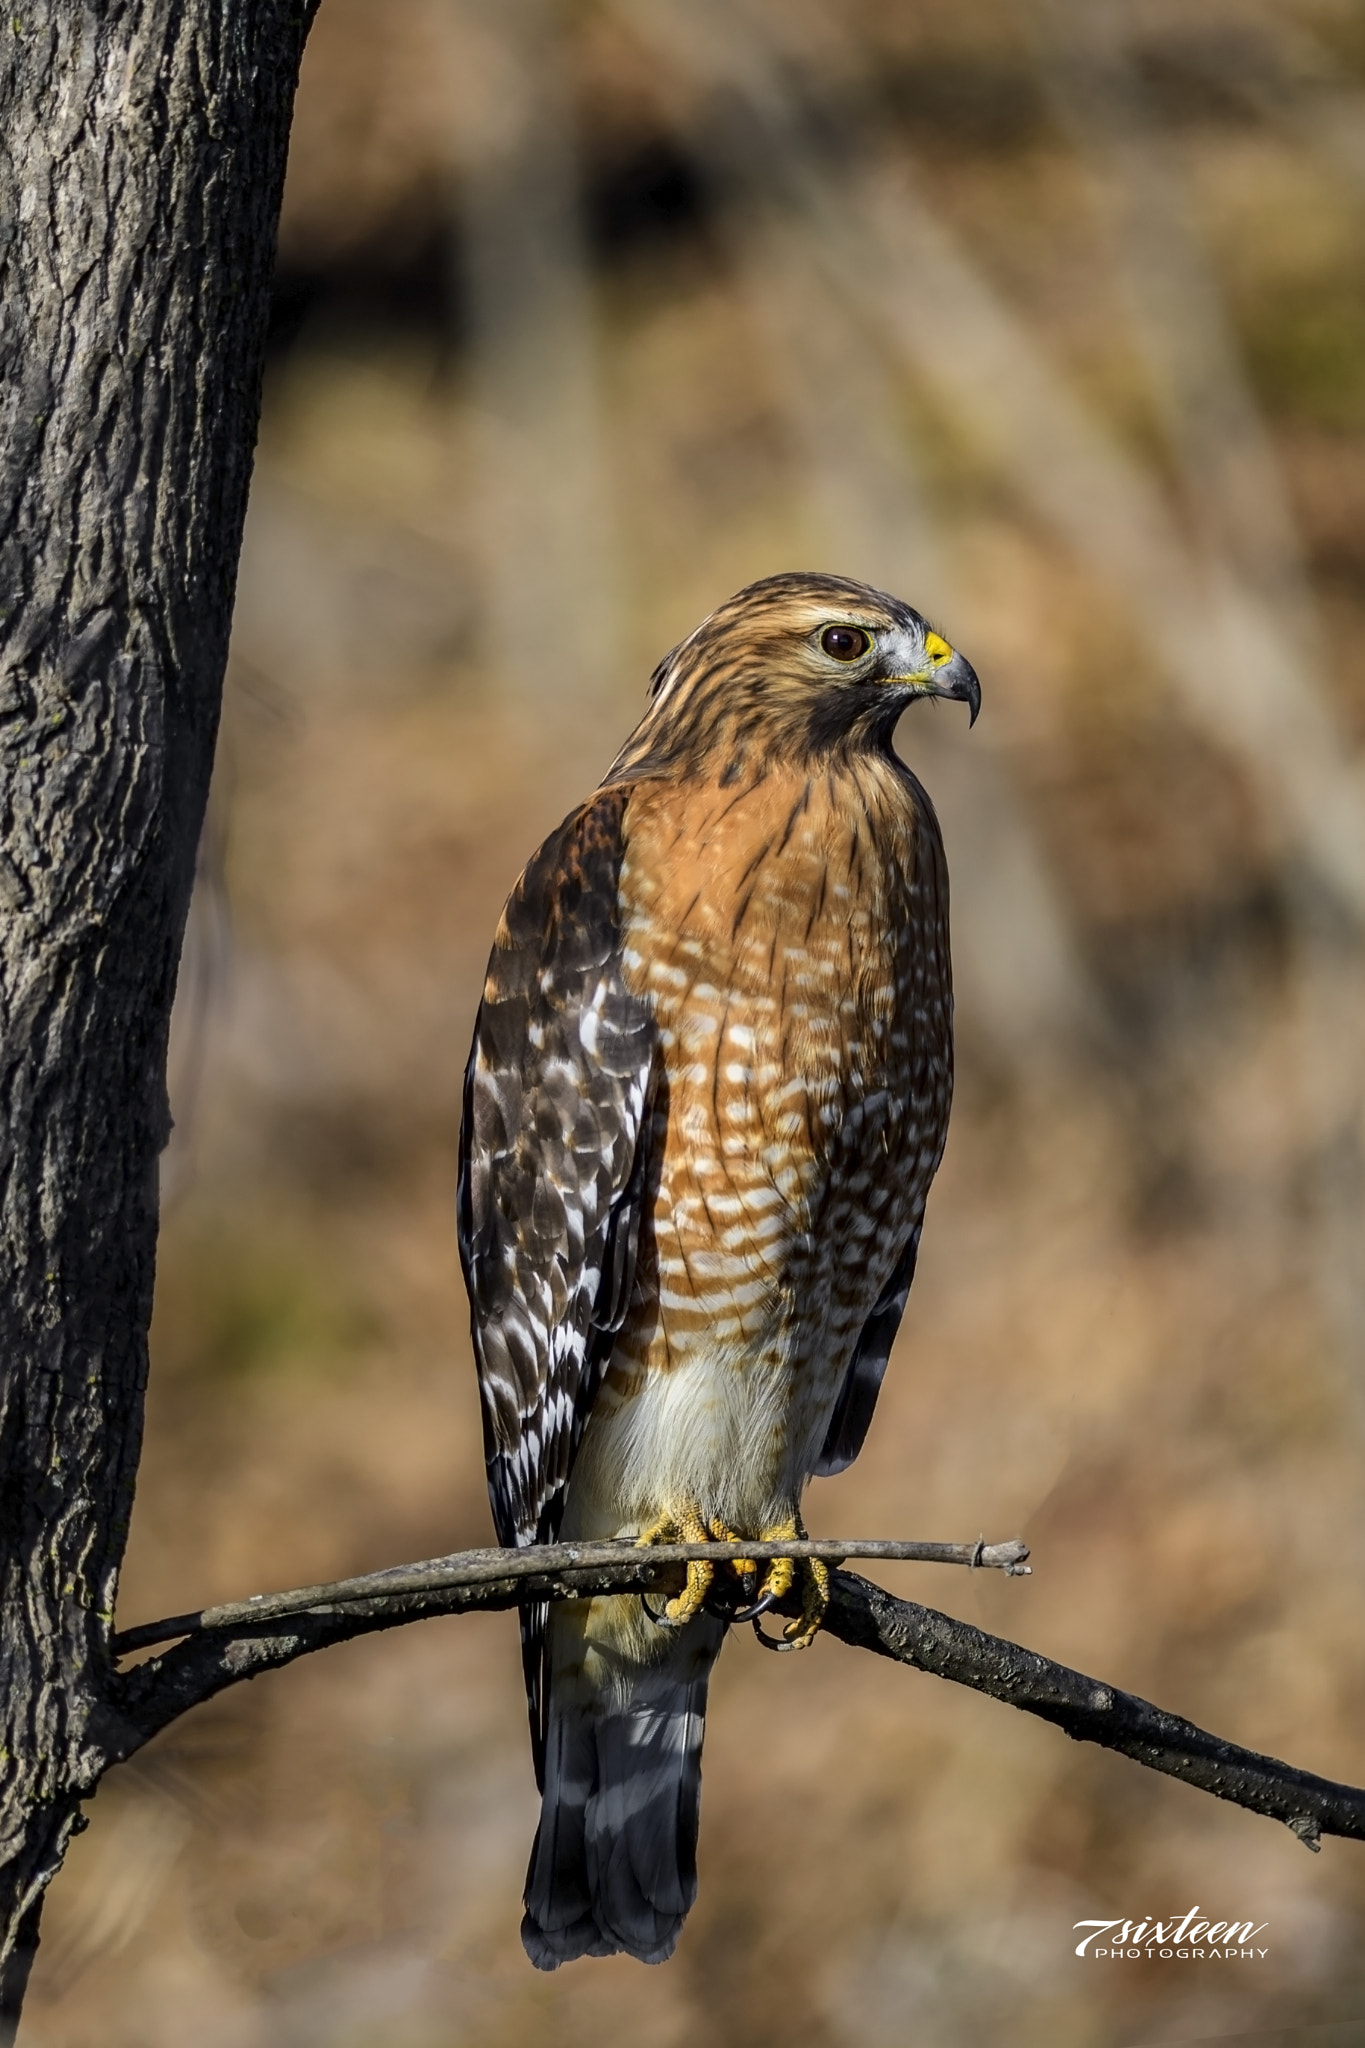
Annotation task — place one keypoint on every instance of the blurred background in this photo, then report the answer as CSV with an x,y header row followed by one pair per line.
x,y
1049,316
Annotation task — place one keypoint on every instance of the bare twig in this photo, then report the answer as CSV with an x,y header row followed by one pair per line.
x,y
486,1572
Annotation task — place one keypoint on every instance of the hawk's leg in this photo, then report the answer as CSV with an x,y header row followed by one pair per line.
x,y
686,1524
812,1576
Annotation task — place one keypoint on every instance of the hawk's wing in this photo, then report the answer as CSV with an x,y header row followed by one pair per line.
x,y
552,1172
863,1381
552,1163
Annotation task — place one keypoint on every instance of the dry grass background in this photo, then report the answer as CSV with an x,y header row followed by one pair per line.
x,y
1052,318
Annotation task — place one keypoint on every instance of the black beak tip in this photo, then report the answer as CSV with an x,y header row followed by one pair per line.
x,y
969,690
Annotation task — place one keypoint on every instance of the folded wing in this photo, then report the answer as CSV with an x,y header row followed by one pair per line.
x,y
863,1381
553,1170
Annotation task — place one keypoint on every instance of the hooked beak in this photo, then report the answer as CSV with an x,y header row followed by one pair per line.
x,y
945,673
957,678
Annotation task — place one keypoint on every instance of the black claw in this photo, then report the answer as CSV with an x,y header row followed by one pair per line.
x,y
759,1607
771,1642
658,1620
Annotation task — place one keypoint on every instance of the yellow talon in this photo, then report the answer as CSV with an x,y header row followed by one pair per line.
x,y
784,1573
687,1525
814,1602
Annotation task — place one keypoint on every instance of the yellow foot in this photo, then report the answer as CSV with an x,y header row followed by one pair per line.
x,y
687,1525
811,1574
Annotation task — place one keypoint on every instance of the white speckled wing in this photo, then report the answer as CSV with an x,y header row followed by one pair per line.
x,y
552,1169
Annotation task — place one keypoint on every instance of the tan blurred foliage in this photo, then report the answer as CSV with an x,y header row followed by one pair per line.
x,y
1052,319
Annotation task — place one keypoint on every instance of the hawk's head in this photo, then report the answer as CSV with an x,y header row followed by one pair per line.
x,y
803,663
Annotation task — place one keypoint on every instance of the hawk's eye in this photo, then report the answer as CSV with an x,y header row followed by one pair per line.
x,y
845,643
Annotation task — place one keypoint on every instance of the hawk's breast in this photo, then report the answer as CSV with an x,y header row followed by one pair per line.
x,y
789,938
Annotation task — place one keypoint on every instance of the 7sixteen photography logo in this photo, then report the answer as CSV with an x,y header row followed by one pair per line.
x,y
1188,1940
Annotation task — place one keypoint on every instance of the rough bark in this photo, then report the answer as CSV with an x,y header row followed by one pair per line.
x,y
142,150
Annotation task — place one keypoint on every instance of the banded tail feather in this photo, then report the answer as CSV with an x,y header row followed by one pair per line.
x,y
614,1865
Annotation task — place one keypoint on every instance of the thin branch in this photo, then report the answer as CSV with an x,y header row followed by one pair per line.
x,y
221,1646
217,1653
474,1569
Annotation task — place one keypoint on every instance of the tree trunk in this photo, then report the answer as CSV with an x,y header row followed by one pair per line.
x,y
143,145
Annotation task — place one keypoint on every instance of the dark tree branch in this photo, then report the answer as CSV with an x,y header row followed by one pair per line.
x,y
1090,1711
224,1645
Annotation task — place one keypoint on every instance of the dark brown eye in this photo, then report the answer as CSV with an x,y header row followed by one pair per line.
x,y
845,643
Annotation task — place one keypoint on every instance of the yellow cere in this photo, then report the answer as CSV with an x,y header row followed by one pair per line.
x,y
937,649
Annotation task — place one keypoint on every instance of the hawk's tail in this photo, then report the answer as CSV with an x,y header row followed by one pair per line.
x,y
614,1865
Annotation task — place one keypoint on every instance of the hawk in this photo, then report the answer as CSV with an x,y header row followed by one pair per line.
x,y
708,1091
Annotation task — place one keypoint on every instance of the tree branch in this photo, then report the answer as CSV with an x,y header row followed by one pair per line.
x,y
1090,1711
473,1569
222,1646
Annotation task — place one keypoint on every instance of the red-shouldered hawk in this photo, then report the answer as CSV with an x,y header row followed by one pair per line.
x,y
708,1090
